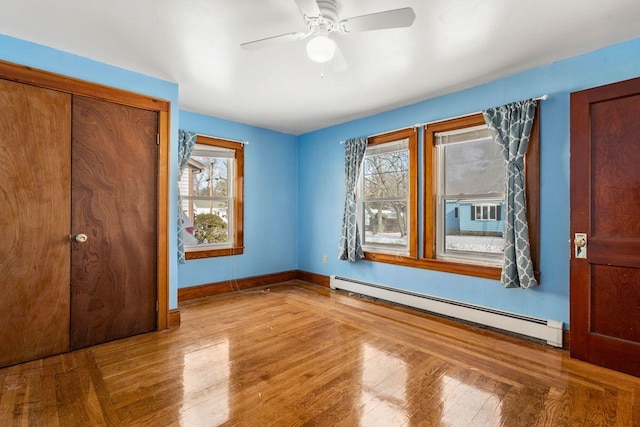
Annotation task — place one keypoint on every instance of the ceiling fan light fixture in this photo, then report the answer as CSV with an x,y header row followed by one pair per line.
x,y
321,49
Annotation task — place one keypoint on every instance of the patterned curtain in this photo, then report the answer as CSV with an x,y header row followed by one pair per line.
x,y
186,142
350,246
510,127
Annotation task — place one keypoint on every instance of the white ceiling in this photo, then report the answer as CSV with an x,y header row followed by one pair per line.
x,y
453,44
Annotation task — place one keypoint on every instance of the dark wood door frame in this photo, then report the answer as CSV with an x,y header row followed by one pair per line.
x,y
28,75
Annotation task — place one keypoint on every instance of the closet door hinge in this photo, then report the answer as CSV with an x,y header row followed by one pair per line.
x,y
157,306
157,139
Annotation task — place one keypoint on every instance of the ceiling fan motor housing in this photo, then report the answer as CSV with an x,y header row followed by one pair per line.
x,y
329,10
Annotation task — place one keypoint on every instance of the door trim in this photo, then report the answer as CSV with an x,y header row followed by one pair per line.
x,y
45,79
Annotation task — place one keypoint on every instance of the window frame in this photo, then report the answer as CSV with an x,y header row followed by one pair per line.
x,y
411,134
236,234
532,183
427,259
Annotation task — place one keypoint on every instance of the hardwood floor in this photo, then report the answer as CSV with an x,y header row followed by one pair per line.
x,y
302,354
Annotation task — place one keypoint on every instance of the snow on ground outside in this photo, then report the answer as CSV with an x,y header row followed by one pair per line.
x,y
489,244
461,243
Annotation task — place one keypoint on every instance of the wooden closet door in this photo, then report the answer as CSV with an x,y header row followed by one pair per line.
x,y
114,176
35,138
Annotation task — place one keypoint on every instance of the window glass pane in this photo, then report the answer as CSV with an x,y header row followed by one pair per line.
x,y
473,167
210,223
471,180
210,228
385,224
386,175
383,197
211,179
476,239
207,194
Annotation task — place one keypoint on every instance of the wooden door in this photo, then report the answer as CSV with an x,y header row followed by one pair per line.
x,y
114,173
605,205
35,137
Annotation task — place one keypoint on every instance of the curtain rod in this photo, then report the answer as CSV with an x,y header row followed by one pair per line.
x,y
226,139
417,125
539,98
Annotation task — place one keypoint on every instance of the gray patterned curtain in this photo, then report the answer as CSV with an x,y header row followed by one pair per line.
x,y
350,246
510,127
186,142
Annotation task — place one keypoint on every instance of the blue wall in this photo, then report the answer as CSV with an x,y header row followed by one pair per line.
x,y
271,200
294,185
321,185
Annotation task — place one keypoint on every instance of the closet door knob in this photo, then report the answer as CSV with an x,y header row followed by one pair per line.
x,y
81,238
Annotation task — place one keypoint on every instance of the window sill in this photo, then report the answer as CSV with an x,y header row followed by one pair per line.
x,y
212,253
484,271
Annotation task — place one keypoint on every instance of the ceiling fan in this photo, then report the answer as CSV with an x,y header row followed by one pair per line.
x,y
321,18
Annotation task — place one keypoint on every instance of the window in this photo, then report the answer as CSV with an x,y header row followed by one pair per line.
x,y
464,179
211,190
463,216
386,195
486,212
469,177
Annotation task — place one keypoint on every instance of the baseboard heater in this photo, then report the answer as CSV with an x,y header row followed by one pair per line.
x,y
543,329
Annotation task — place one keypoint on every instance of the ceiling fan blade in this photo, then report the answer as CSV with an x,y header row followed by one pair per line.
x,y
272,41
308,7
396,18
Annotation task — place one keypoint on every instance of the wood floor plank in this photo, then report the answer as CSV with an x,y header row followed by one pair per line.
x,y
527,409
11,385
491,410
301,354
78,403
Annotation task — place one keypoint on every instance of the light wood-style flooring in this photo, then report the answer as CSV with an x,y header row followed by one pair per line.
x,y
301,354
